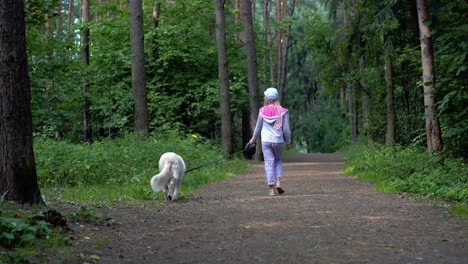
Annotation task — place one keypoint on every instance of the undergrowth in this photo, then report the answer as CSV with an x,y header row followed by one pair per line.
x,y
119,170
411,170
26,234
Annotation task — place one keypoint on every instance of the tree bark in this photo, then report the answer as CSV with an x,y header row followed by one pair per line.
x,y
18,176
251,52
353,112
69,17
390,101
365,103
275,56
58,23
265,24
87,134
156,15
138,68
433,132
226,117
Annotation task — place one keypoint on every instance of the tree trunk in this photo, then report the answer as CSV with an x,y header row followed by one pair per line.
x,y
18,176
433,133
156,15
390,100
353,112
365,100
69,17
251,52
283,61
59,22
87,135
226,117
275,56
138,68
265,24
342,96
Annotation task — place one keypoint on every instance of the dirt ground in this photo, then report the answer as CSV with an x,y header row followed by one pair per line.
x,y
323,217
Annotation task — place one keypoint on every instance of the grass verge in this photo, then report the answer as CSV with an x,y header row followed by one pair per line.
x,y
411,170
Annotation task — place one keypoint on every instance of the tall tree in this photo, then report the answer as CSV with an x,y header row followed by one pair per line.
x,y
284,44
18,177
390,101
85,61
433,133
246,13
138,68
226,117
252,78
266,41
69,16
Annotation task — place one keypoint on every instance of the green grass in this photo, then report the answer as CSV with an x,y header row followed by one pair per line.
x,y
411,170
115,171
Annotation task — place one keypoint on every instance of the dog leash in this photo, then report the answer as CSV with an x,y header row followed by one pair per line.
x,y
248,147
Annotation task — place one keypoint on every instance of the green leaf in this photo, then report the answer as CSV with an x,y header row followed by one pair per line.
x,y
8,236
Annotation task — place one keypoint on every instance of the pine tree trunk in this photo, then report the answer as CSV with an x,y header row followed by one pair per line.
x,y
85,61
69,17
251,52
365,103
433,132
18,177
138,68
353,112
156,15
265,24
275,56
390,101
226,117
284,46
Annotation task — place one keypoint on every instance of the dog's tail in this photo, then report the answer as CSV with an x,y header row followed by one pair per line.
x,y
160,180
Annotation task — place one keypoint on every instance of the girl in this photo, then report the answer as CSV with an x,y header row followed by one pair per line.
x,y
273,128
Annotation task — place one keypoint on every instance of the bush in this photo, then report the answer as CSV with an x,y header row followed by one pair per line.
x,y
411,170
120,169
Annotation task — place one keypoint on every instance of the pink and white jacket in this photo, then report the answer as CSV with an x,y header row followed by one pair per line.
x,y
273,125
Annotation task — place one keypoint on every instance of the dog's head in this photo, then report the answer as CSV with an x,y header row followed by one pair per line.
x,y
170,190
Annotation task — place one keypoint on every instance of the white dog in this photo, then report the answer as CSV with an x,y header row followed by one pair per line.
x,y
171,170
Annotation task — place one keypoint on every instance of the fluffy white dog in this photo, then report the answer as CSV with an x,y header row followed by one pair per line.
x,y
171,170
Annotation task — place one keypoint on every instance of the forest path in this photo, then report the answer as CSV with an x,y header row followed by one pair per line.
x,y
323,217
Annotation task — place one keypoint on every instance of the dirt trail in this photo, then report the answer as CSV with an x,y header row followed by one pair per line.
x,y
324,217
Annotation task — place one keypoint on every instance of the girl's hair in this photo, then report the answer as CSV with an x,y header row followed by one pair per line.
x,y
279,111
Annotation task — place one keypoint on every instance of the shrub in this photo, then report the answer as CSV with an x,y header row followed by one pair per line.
x,y
120,169
411,170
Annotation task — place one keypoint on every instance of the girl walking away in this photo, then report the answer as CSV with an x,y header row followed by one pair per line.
x,y
273,129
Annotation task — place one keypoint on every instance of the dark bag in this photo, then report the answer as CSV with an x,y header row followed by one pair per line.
x,y
249,150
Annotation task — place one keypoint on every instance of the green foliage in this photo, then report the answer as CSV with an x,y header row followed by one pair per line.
x,y
18,232
26,235
451,57
120,169
411,170
324,128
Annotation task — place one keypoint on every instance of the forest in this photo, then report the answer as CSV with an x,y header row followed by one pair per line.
x,y
107,83
347,70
